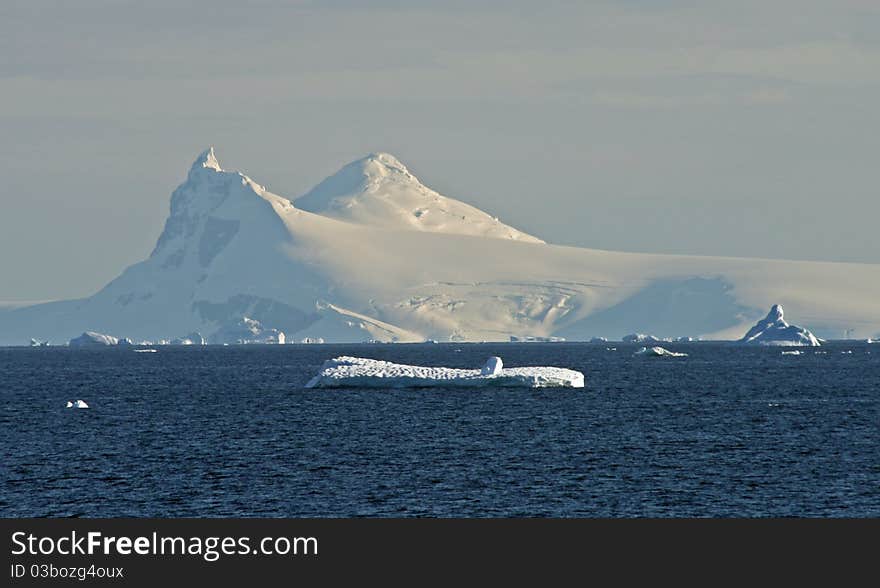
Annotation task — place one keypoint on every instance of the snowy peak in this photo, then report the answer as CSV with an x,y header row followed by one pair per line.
x,y
381,165
206,160
776,314
378,190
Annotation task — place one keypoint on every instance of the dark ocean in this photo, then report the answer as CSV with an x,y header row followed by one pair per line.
x,y
230,431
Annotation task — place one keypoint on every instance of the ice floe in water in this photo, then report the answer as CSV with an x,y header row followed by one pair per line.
x,y
77,404
358,372
658,352
796,352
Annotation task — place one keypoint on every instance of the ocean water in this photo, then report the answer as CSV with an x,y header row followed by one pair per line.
x,y
230,431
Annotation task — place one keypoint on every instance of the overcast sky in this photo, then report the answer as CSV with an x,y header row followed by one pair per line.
x,y
746,128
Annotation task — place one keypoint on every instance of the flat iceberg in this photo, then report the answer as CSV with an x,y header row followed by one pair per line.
x,y
77,404
358,372
658,352
773,330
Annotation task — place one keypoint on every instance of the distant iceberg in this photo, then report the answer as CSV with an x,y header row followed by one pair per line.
x,y
773,330
598,340
641,338
658,352
247,330
77,404
93,339
535,339
357,372
194,338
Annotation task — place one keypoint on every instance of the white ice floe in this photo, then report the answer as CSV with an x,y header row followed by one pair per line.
x,y
77,404
792,352
658,352
145,351
773,330
362,373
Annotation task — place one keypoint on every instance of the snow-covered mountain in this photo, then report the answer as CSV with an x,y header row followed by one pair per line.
x,y
379,191
372,254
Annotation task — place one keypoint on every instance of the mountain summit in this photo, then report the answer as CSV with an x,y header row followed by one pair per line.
x,y
378,190
373,254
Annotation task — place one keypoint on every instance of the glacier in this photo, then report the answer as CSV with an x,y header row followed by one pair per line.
x,y
371,254
774,330
358,372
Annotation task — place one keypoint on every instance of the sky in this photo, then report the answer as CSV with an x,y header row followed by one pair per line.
x,y
747,129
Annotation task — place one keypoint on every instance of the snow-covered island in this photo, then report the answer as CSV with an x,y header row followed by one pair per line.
x,y
773,330
347,262
358,372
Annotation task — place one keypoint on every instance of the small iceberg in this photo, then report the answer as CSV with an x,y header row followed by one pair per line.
x,y
795,352
657,352
144,350
773,330
358,372
77,404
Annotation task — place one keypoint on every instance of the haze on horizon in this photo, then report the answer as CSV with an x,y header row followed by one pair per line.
x,y
672,127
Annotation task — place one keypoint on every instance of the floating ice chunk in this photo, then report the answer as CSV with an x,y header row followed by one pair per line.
x,y
360,372
658,352
773,330
795,352
145,351
492,367
77,404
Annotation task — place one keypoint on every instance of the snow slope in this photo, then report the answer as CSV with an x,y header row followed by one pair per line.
x,y
379,191
232,249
